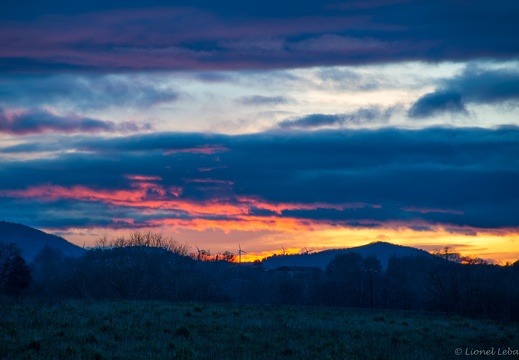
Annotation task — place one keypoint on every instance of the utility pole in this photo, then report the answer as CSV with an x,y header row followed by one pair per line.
x,y
370,287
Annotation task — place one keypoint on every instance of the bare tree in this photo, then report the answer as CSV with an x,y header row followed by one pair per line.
x,y
147,239
228,256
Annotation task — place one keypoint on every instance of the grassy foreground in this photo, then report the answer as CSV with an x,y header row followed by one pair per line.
x,y
77,329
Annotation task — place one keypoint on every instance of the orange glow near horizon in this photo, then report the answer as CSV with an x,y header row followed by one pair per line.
x,y
227,217
251,257
497,247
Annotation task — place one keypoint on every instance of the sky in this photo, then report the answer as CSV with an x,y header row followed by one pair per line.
x,y
264,124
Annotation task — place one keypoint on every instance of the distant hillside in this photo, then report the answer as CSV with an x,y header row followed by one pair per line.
x,y
383,251
31,240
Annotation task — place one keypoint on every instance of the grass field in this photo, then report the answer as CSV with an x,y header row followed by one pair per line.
x,y
77,329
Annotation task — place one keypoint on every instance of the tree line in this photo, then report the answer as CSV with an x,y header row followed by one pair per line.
x,y
150,266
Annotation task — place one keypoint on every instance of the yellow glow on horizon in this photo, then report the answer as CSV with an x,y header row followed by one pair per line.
x,y
253,256
486,245
498,246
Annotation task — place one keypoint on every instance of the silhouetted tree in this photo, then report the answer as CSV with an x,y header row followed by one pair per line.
x,y
405,280
227,256
455,283
448,254
19,277
52,272
344,280
372,264
134,272
8,254
143,265
148,239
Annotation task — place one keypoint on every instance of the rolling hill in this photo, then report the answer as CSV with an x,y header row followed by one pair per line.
x,y
31,240
383,251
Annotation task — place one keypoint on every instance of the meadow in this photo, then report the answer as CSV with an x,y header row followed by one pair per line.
x,y
86,329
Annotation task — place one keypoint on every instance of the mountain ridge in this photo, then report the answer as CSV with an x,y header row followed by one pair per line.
x,y
31,240
383,251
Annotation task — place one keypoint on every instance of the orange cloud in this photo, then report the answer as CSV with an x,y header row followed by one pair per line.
x,y
143,195
231,215
146,194
143,178
278,208
240,223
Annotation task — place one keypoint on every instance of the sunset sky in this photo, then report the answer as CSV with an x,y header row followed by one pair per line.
x,y
270,124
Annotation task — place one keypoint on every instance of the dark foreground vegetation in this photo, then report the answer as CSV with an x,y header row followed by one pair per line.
x,y
107,329
147,297
149,266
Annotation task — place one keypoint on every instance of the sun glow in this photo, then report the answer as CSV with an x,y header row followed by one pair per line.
x,y
499,246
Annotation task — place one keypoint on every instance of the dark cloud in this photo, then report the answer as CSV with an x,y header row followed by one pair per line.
x,y
23,122
258,100
312,121
473,86
361,116
438,176
483,86
39,121
212,76
202,35
85,92
438,102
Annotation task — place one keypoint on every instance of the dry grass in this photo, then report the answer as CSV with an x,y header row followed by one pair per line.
x,y
78,329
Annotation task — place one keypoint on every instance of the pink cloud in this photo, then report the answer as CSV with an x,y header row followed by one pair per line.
x,y
422,210
278,208
147,196
143,178
156,38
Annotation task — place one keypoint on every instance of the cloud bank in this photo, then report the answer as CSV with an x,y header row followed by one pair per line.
x,y
92,92
198,35
455,178
473,86
362,116
29,121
